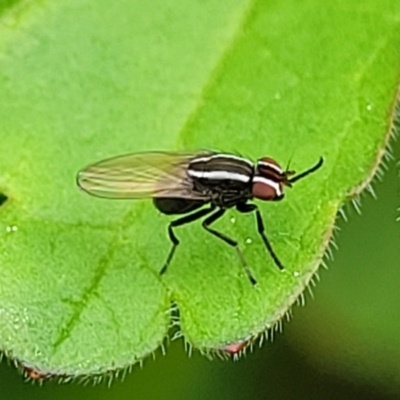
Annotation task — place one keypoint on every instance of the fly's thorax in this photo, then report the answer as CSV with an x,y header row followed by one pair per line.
x,y
224,178
219,168
269,180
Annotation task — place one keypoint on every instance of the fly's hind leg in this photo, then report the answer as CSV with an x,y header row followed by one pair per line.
x,y
179,222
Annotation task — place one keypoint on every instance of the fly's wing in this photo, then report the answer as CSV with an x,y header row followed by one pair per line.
x,y
141,175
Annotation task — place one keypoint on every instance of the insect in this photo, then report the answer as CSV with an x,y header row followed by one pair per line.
x,y
184,183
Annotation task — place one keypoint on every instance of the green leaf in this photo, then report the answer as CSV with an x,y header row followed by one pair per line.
x,y
80,291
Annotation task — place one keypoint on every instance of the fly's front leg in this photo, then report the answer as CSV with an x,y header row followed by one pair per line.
x,y
206,225
245,208
179,222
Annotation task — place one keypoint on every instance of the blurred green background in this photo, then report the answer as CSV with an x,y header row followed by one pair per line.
x,y
329,350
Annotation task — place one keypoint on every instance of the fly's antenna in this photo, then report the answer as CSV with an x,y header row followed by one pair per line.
x,y
290,161
309,171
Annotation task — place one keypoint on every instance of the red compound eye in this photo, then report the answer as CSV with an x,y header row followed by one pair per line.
x,y
264,189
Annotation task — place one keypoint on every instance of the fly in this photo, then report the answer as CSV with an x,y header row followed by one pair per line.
x,y
184,183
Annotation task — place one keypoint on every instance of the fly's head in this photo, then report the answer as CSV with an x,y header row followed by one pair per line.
x,y
270,179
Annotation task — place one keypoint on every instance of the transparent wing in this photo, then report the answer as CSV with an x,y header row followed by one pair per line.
x,y
141,175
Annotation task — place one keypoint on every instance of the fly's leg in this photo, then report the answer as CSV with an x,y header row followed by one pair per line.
x,y
206,225
179,222
245,208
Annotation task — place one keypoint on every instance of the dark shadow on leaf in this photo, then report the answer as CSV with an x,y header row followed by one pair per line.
x,y
3,199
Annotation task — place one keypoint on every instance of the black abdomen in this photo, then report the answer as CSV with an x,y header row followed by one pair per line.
x,y
173,205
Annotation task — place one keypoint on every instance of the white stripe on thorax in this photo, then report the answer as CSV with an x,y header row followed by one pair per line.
x,y
219,175
270,165
269,182
230,156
